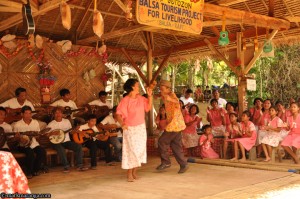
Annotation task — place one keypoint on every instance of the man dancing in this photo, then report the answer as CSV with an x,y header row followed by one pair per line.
x,y
172,135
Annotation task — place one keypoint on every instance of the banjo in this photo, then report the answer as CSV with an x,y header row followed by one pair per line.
x,y
57,136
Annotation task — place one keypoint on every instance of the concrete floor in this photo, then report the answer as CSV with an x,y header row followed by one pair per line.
x,y
200,181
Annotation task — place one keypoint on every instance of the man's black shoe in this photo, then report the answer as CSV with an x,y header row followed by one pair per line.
x,y
163,167
183,169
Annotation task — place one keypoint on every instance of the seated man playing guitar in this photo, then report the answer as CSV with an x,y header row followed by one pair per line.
x,y
93,143
34,163
111,124
13,107
102,100
5,127
100,107
63,124
19,101
66,102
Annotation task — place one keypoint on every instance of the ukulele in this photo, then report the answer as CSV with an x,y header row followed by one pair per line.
x,y
267,45
223,39
28,21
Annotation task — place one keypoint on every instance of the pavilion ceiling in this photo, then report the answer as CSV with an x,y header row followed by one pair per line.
x,y
120,33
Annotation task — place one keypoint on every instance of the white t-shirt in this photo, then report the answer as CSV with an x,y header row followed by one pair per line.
x,y
186,101
64,125
86,127
7,129
62,103
13,103
222,103
98,102
21,126
110,120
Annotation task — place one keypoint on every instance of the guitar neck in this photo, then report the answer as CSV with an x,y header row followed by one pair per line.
x,y
28,133
115,130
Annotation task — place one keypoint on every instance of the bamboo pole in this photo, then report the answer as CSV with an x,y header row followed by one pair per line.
x,y
149,77
247,165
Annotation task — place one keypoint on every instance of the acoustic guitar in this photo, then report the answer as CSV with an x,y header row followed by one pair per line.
x,y
267,45
14,115
28,21
68,111
80,137
27,136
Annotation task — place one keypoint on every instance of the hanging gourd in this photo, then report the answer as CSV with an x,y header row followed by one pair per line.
x,y
65,12
98,22
267,45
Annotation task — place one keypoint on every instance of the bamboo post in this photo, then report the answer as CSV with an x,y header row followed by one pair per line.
x,y
113,86
149,77
241,80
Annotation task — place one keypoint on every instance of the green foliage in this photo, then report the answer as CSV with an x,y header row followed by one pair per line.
x,y
276,78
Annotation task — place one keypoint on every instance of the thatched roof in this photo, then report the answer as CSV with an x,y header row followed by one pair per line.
x,y
121,33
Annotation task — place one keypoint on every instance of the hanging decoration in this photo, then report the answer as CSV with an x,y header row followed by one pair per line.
x,y
65,12
102,49
39,41
81,51
256,39
9,46
128,13
267,45
66,45
106,76
89,75
223,39
98,22
237,62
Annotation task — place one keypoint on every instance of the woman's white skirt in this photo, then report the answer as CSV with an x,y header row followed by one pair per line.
x,y
134,147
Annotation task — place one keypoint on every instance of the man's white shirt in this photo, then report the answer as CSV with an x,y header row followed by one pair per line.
x,y
14,104
7,128
110,120
98,102
63,125
21,126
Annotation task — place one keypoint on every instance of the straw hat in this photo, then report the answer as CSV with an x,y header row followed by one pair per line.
x,y
165,83
10,45
8,37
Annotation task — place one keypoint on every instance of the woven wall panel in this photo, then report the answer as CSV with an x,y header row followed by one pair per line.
x,y
21,70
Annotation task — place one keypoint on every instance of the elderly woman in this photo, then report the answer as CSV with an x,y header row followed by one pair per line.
x,y
131,116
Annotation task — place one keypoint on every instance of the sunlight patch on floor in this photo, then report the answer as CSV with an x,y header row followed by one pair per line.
x,y
288,192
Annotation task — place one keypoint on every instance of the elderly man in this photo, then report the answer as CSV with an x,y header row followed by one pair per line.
x,y
221,102
172,135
